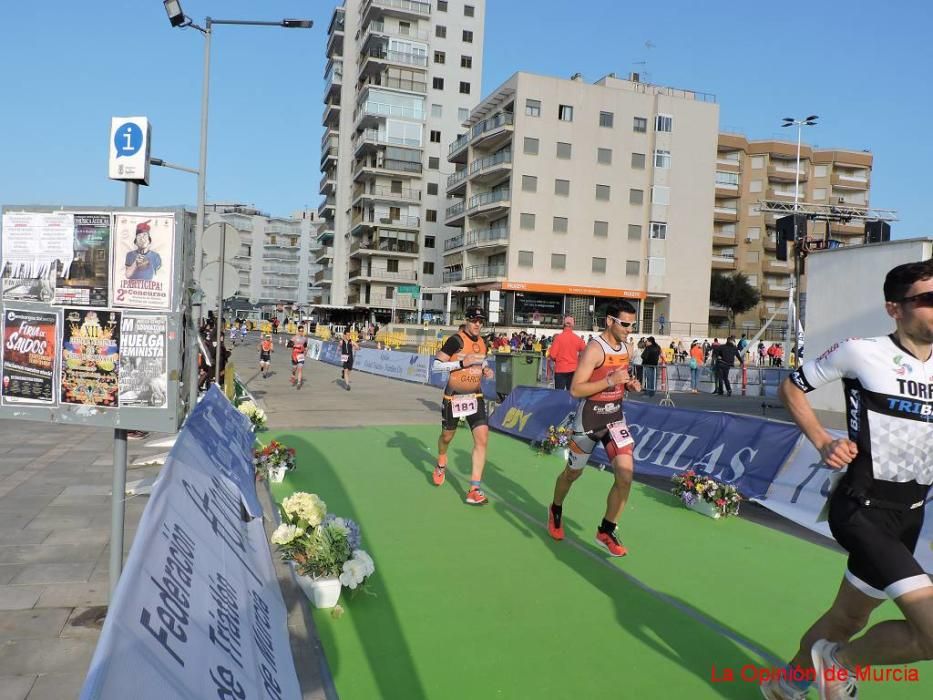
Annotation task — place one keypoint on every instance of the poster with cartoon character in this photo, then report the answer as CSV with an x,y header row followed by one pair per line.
x,y
143,246
90,357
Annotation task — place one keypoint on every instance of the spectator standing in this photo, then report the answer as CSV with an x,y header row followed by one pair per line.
x,y
565,352
724,358
696,361
650,358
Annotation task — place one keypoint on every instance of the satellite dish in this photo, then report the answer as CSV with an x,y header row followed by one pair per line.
x,y
210,278
213,234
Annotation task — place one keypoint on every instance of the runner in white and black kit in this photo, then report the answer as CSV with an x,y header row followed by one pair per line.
x,y
876,510
347,349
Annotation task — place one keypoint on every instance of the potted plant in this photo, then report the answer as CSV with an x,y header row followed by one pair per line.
x,y
273,461
322,548
257,417
556,437
705,495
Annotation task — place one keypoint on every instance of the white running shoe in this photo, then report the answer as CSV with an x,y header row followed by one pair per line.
x,y
777,689
831,689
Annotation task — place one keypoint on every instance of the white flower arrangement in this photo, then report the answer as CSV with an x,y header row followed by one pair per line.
x,y
285,533
357,569
305,506
257,417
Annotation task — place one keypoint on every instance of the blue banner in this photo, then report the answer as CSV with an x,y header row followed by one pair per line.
x,y
222,436
330,353
741,450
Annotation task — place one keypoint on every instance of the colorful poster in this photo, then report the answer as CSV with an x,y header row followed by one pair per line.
x,y
86,281
90,357
36,249
143,378
142,260
30,343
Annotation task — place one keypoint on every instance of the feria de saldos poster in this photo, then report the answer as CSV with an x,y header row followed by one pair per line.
x,y
30,344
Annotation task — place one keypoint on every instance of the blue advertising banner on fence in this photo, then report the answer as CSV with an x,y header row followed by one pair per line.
x,y
198,612
740,450
330,353
395,364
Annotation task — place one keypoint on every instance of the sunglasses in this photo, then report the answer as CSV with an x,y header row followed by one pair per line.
x,y
624,324
921,300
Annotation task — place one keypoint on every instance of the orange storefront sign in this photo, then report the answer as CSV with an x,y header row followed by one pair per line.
x,y
574,290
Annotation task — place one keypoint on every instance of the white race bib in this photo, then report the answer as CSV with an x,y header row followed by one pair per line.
x,y
462,406
620,434
344,358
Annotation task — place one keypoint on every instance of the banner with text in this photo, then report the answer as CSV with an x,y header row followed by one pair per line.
x,y
198,612
393,363
739,450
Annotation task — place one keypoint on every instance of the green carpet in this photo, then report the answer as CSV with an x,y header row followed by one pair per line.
x,y
479,602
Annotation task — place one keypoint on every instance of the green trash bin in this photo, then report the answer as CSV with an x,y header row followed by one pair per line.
x,y
516,369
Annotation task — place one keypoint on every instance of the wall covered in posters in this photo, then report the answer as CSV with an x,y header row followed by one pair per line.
x,y
30,348
143,380
143,251
90,357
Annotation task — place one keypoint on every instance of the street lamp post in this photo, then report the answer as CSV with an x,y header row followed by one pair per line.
x,y
178,18
799,248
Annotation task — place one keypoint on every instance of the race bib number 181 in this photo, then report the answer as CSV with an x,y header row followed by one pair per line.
x,y
462,406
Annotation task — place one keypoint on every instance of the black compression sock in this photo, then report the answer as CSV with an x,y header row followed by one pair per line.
x,y
607,527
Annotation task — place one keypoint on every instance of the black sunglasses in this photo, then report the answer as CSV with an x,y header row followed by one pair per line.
x,y
624,324
925,299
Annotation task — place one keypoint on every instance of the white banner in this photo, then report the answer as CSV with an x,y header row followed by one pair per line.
x,y
388,363
314,349
800,489
198,612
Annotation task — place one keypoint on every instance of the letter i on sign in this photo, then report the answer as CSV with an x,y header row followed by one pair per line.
x,y
128,137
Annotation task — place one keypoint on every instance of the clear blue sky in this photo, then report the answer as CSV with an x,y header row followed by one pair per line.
x,y
863,66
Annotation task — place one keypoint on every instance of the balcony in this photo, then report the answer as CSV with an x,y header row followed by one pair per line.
x,y
280,270
494,236
327,184
369,140
405,9
331,114
329,137
381,29
489,203
376,59
773,291
456,183
776,267
849,228
723,262
483,272
725,189
279,283
335,33
381,193
325,253
492,132
723,238
380,274
783,173
369,167
453,276
454,214
399,301
370,113
333,79
785,195
453,243
387,81
849,182
385,246
491,167
327,208
329,154
365,221
456,153
327,235
726,214
325,275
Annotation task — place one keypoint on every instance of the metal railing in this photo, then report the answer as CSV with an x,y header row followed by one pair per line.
x,y
461,141
422,8
400,302
487,235
455,210
475,272
379,109
456,178
378,220
405,57
384,274
383,192
455,242
453,276
381,28
484,198
489,161
386,246
401,166
501,119
376,136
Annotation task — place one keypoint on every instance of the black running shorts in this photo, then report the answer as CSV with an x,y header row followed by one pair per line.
x,y
880,543
448,422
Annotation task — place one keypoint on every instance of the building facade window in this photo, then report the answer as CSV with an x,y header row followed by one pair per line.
x,y
565,113
437,111
599,265
604,156
526,258
466,61
564,150
562,188
527,221
430,215
469,11
558,261
463,114
634,232
664,122
638,161
429,241
661,195
601,229
606,119
434,163
639,125
632,267
440,31
603,193
440,57
464,88
432,188
636,196
560,224
529,183
435,136
662,158
442,5
530,146
468,36
438,83
658,230
427,268
532,108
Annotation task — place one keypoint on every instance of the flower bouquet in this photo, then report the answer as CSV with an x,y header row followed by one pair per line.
x,y
556,437
257,417
702,493
323,548
273,460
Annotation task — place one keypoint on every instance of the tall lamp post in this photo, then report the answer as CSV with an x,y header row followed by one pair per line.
x,y
178,18
799,248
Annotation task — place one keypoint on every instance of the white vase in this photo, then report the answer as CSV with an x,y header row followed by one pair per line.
x,y
705,508
277,475
322,592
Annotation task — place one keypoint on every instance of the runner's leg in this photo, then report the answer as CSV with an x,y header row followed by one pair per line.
x,y
623,467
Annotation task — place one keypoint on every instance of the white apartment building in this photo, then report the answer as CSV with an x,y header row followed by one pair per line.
x,y
401,78
276,260
572,194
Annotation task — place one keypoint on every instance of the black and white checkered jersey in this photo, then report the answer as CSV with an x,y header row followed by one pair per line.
x,y
889,408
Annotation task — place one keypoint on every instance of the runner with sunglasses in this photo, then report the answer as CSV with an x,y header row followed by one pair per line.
x,y
600,382
464,356
876,509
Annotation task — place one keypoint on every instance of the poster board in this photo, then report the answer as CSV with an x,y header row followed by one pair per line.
x,y
93,314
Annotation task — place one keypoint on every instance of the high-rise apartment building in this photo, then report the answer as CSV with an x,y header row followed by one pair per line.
x,y
744,238
401,78
572,194
276,259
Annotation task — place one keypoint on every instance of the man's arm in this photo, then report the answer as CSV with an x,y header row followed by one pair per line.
x,y
835,453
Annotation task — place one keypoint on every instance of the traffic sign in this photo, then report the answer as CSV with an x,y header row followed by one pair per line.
x,y
213,234
409,289
129,149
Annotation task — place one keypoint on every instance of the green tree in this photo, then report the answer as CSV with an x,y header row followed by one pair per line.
x,y
735,293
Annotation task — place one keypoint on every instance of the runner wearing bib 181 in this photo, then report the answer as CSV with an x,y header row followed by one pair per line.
x,y
600,382
464,355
